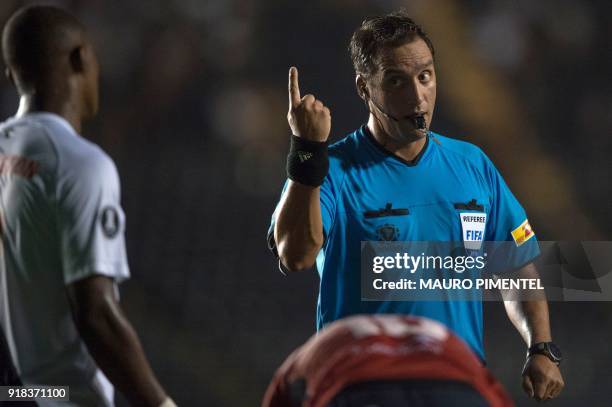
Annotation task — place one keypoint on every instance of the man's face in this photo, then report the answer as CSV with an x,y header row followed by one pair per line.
x,y
404,86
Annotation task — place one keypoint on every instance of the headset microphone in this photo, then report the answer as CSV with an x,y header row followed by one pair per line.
x,y
418,121
387,115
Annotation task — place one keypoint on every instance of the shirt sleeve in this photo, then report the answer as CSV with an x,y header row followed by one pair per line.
x,y
509,231
91,221
328,204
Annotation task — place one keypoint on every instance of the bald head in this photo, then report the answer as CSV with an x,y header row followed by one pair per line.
x,y
38,39
46,52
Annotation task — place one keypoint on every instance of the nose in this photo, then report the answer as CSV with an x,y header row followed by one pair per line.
x,y
416,92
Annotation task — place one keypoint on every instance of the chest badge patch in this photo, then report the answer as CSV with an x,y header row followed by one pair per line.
x,y
387,232
473,229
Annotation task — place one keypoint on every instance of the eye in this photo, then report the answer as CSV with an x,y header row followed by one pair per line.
x,y
395,81
425,76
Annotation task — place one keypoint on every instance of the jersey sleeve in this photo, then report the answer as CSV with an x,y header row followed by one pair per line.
x,y
514,241
91,221
328,204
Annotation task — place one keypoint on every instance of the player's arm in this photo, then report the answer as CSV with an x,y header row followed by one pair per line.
x,y
91,225
298,229
541,377
112,341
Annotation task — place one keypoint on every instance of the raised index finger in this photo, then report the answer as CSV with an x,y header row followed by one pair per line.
x,y
294,88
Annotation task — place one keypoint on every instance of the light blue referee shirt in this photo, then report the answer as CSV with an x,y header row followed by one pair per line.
x,y
370,194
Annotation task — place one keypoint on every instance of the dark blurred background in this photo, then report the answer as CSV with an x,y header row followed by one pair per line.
x,y
193,112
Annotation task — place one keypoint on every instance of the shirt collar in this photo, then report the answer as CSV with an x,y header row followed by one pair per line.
x,y
370,138
50,117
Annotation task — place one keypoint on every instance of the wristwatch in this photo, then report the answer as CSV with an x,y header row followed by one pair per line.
x,y
548,349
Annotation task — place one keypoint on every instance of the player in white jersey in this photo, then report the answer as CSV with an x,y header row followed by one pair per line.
x,y
62,225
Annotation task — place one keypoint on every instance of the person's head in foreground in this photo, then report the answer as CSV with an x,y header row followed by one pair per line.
x,y
385,361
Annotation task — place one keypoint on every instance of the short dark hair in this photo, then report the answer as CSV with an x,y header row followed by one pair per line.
x,y
375,33
34,36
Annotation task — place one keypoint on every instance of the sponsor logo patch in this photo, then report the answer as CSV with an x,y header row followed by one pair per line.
x,y
522,233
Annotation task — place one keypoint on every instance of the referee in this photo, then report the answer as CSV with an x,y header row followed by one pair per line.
x,y
395,179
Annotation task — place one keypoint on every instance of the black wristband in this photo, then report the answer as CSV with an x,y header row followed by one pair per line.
x,y
307,162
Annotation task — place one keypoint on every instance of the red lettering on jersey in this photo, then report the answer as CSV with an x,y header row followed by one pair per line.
x,y
16,165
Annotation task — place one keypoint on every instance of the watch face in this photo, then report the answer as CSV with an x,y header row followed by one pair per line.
x,y
554,350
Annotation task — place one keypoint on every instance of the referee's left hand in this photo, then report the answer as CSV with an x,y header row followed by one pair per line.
x,y
542,378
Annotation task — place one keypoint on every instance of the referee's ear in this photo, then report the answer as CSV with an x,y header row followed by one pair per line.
x,y
362,90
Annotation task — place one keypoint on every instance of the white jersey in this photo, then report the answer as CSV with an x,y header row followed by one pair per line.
x,y
60,221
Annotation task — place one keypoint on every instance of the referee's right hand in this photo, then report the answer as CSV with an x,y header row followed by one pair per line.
x,y
308,117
